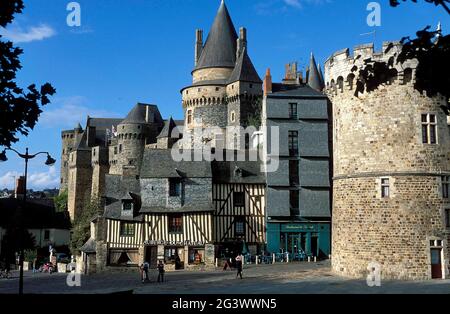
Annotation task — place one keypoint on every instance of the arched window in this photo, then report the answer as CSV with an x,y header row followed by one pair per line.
x,y
340,84
351,80
189,117
407,76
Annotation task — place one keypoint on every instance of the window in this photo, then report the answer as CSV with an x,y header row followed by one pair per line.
x,y
217,89
93,152
385,188
47,235
447,218
294,179
233,116
239,226
239,199
196,255
126,229
176,223
189,117
127,206
293,111
251,85
120,148
429,129
293,143
115,150
174,187
294,198
445,186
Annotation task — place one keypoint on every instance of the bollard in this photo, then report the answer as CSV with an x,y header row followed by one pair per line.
x,y
287,258
309,259
256,260
273,258
217,262
315,259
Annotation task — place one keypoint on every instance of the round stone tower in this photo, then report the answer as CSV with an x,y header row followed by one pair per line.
x,y
139,128
391,172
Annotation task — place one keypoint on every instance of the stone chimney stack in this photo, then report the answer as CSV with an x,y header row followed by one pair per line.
x,y
241,42
268,83
292,76
19,190
198,45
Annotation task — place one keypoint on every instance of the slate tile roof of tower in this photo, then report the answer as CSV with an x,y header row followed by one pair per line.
x,y
168,129
137,115
244,70
314,80
220,46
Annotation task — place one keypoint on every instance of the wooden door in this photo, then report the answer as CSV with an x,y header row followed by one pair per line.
x,y
436,264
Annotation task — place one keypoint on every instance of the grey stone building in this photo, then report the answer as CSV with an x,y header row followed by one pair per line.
x,y
299,191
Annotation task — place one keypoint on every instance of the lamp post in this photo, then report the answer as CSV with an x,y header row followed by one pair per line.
x,y
49,162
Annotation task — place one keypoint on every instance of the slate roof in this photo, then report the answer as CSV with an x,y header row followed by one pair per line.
x,y
137,115
246,172
170,128
220,47
285,90
117,189
37,214
314,80
89,247
158,163
244,70
101,125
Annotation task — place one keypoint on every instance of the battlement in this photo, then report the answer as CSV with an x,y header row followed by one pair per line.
x,y
339,76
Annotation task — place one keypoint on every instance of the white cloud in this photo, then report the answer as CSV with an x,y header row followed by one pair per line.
x,y
18,35
36,180
293,3
67,112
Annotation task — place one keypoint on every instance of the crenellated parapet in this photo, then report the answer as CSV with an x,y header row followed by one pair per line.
x,y
342,68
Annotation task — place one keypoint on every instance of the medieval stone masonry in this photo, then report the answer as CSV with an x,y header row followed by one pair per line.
x,y
391,156
361,179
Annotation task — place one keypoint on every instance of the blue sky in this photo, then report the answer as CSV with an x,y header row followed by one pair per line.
x,y
129,51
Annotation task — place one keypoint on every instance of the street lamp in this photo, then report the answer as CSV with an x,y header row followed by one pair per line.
x,y
49,162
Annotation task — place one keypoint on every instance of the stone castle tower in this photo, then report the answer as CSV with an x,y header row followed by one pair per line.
x,y
226,89
391,162
69,139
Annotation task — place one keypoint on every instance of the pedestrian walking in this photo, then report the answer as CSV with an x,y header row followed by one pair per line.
x,y
161,271
145,268
239,266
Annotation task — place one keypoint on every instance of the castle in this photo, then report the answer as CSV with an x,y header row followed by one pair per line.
x,y
378,163
391,167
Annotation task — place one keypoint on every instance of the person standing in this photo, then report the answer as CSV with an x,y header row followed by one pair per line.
x,y
239,266
145,268
161,271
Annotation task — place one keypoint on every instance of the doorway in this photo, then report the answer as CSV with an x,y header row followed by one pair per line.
x,y
436,263
151,256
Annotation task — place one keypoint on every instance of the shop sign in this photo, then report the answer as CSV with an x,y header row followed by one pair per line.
x,y
174,243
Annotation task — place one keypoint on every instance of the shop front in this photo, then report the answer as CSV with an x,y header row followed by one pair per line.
x,y
178,255
310,239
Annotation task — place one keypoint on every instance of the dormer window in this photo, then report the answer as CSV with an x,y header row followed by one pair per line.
x,y
127,206
174,187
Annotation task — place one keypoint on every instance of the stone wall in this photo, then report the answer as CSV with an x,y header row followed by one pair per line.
x,y
80,181
379,135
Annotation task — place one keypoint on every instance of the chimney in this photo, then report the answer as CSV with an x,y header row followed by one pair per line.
x,y
19,190
241,42
198,45
91,130
268,83
292,75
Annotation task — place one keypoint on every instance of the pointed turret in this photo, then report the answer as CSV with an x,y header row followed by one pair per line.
x,y
221,44
168,128
314,80
244,70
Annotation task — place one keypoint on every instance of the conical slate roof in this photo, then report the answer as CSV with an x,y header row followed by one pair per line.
x,y
220,46
244,70
168,128
138,114
314,80
322,81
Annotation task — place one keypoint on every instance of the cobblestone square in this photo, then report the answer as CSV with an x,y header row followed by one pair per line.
x,y
294,278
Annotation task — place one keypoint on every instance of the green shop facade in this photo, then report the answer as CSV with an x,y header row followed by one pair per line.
x,y
312,238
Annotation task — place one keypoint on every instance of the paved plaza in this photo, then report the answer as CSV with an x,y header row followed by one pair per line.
x,y
294,278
